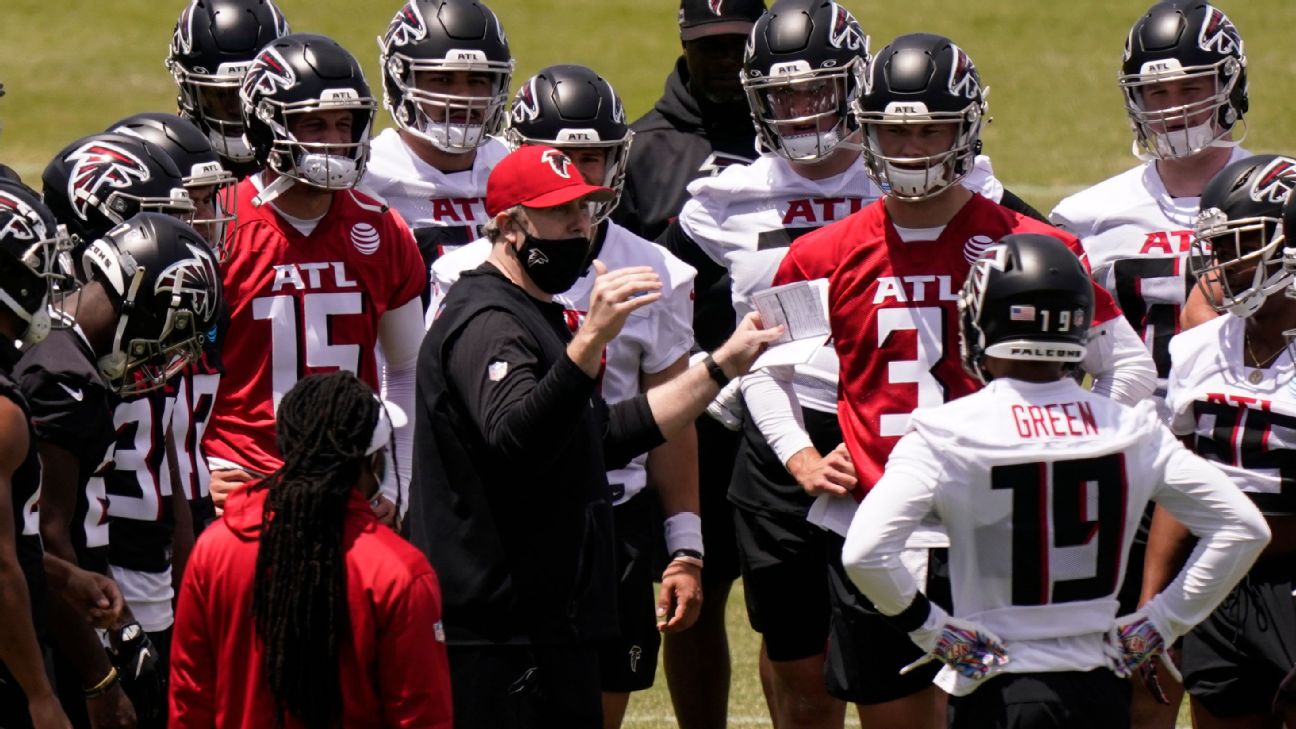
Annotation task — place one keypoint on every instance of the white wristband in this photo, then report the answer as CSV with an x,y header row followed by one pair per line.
x,y
684,531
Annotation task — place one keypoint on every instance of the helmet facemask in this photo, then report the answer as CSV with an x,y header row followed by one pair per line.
x,y
212,102
319,164
1243,257
212,189
923,177
452,123
1183,130
802,115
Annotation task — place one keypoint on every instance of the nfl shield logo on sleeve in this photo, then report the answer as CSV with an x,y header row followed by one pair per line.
x,y
440,631
496,371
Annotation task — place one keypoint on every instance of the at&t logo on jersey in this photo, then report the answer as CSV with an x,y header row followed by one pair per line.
x,y
975,246
365,238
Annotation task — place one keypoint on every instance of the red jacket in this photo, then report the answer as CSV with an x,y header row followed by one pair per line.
x,y
394,671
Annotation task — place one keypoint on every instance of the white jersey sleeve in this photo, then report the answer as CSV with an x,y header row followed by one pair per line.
x,y
1121,366
447,269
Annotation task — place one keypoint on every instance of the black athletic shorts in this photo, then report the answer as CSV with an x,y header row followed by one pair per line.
x,y
1236,659
785,582
717,451
865,651
629,661
1095,699
525,687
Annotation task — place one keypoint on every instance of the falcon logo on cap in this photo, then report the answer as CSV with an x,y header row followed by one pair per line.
x,y
560,162
716,7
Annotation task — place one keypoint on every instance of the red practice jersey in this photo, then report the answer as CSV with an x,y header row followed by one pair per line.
x,y
893,307
303,305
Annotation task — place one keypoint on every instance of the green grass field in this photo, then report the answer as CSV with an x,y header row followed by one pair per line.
x,y
71,67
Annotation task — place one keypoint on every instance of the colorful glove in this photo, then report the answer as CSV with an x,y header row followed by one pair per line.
x,y
967,647
1134,641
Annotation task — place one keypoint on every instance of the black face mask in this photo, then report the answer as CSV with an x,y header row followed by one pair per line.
x,y
554,264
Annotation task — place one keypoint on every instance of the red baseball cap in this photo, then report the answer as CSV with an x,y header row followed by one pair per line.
x,y
537,176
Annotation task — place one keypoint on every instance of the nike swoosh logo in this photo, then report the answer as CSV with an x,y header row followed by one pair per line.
x,y
76,394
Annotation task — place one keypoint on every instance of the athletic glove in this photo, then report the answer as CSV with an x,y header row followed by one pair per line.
x,y
1134,641
967,647
136,660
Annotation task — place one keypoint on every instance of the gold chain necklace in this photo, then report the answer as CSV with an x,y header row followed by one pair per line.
x,y
1257,373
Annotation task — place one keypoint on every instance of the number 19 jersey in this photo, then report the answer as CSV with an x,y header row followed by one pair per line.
x,y
302,305
893,307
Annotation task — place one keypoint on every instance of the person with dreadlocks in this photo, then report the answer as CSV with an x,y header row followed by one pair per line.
x,y
346,627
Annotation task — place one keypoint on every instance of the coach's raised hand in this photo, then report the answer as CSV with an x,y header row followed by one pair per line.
x,y
615,295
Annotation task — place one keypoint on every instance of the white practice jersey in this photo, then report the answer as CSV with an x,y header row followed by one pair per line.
x,y
1041,487
444,210
1136,237
1246,427
653,338
746,217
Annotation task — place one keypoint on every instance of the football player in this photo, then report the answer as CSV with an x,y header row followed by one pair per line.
x,y
1230,396
213,44
1185,88
1040,486
894,269
151,288
446,68
800,79
98,182
317,274
576,111
29,239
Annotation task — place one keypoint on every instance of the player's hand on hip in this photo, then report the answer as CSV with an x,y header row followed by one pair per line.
x,y
679,601
831,474
967,647
615,295
1134,641
738,352
225,481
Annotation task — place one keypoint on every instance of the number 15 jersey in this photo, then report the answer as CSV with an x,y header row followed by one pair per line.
x,y
302,305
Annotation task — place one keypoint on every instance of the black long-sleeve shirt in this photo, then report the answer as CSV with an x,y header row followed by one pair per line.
x,y
512,443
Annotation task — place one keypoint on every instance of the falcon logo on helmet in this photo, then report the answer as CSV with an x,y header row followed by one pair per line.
x,y
183,40
715,6
1275,182
845,32
1218,34
963,80
24,224
406,27
268,73
525,107
96,165
192,284
560,162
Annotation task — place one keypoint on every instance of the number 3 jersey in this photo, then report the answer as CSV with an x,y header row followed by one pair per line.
x,y
1240,418
1041,487
302,305
894,312
1136,237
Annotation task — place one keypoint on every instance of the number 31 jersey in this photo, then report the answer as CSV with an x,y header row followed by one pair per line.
x,y
1240,418
302,305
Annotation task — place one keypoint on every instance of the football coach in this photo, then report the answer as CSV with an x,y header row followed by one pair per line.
x,y
510,499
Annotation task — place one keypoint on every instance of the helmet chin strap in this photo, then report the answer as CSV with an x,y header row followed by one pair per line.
x,y
273,190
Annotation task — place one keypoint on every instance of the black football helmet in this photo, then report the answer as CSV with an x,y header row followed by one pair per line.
x,y
30,244
803,70
922,79
429,37
213,44
299,74
210,185
99,181
1182,40
167,284
1239,237
1028,297
571,106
